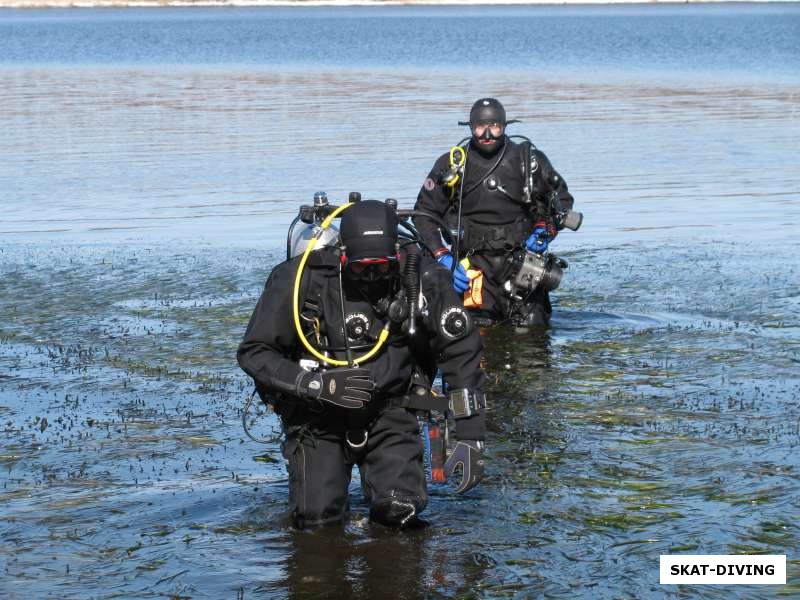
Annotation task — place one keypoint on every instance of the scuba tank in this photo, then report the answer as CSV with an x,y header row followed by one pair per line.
x,y
308,223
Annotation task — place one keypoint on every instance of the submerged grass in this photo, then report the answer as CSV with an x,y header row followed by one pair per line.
x,y
630,520
616,436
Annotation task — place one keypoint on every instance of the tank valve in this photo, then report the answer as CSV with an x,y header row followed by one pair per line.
x,y
320,199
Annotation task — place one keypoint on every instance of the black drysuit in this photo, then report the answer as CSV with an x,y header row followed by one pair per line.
x,y
319,460
495,221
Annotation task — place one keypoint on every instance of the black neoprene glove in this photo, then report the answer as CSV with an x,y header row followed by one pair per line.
x,y
345,386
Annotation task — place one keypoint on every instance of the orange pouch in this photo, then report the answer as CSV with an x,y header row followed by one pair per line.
x,y
473,297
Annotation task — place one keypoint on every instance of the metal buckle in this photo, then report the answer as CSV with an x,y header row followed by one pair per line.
x,y
460,403
464,403
361,444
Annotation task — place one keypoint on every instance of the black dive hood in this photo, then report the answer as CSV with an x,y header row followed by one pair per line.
x,y
369,230
487,110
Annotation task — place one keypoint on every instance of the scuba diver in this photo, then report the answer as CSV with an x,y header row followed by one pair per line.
x,y
344,344
508,203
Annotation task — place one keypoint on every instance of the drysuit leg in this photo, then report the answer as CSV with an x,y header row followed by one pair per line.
x,y
319,475
392,471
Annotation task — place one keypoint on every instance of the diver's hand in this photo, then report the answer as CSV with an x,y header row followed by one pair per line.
x,y
538,240
460,279
346,387
466,460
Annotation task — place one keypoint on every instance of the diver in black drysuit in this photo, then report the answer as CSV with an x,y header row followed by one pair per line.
x,y
335,418
495,221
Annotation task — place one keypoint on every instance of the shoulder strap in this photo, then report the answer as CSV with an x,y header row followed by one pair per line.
x,y
311,292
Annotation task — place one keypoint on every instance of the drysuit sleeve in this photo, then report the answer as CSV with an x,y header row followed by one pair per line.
x,y
432,198
554,181
457,356
270,336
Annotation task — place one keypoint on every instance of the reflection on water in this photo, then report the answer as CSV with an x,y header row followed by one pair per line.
x,y
222,156
341,564
143,206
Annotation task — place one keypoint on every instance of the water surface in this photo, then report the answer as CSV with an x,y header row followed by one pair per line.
x,y
150,162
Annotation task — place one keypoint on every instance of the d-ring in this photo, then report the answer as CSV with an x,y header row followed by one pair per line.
x,y
358,446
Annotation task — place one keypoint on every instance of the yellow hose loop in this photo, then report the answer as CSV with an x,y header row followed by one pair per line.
x,y
456,164
460,162
296,301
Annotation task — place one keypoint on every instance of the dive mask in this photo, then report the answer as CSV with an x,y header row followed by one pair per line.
x,y
487,136
372,269
488,131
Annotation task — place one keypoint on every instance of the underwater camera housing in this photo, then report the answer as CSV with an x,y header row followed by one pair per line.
x,y
532,270
569,219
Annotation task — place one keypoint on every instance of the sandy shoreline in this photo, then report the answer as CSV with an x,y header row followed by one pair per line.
x,y
305,3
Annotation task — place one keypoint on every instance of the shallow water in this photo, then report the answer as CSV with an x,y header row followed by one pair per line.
x,y
144,204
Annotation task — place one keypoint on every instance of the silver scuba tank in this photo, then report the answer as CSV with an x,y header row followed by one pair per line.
x,y
307,225
302,235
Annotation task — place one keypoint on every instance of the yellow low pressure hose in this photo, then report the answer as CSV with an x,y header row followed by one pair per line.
x,y
382,337
455,166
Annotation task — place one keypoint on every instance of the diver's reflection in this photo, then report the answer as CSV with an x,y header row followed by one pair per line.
x,y
330,562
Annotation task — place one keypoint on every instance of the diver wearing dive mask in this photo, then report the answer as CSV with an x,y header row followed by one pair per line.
x,y
495,198
343,390
487,120
370,253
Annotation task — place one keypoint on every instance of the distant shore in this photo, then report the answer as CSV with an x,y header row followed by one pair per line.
x,y
253,3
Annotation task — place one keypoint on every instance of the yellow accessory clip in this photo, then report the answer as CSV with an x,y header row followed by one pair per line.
x,y
382,337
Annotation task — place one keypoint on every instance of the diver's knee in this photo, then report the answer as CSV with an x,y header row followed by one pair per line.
x,y
397,511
